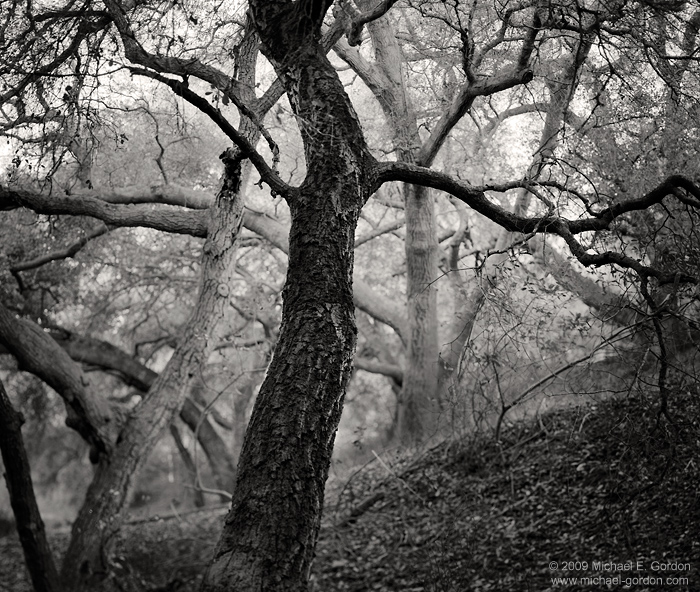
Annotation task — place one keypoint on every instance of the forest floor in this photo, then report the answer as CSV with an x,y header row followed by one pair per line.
x,y
609,492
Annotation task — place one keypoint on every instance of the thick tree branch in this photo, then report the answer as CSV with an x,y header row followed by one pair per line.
x,y
38,353
372,76
102,354
610,307
136,54
463,102
377,367
354,32
475,197
170,193
161,217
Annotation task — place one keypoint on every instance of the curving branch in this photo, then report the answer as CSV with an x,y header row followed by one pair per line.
x,y
168,193
519,75
160,217
104,355
136,54
59,254
376,367
123,212
85,28
354,31
609,306
156,65
475,197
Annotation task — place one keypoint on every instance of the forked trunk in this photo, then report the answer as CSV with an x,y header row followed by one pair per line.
x,y
86,563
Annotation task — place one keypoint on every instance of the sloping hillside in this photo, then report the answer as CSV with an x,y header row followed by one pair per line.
x,y
560,497
610,493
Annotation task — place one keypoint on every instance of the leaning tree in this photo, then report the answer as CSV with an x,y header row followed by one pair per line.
x,y
56,59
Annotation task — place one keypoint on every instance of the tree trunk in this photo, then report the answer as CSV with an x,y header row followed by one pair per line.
x,y
86,564
270,532
464,310
419,404
101,514
30,526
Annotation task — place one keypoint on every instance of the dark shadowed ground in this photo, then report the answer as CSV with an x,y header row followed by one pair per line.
x,y
594,489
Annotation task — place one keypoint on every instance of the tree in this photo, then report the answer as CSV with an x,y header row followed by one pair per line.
x,y
270,532
29,523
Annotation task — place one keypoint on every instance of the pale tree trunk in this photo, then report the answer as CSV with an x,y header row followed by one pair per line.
x,y
85,561
419,403
270,532
465,309
86,564
418,407
221,461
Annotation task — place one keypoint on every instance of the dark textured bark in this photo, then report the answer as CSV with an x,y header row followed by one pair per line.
x,y
270,533
30,526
